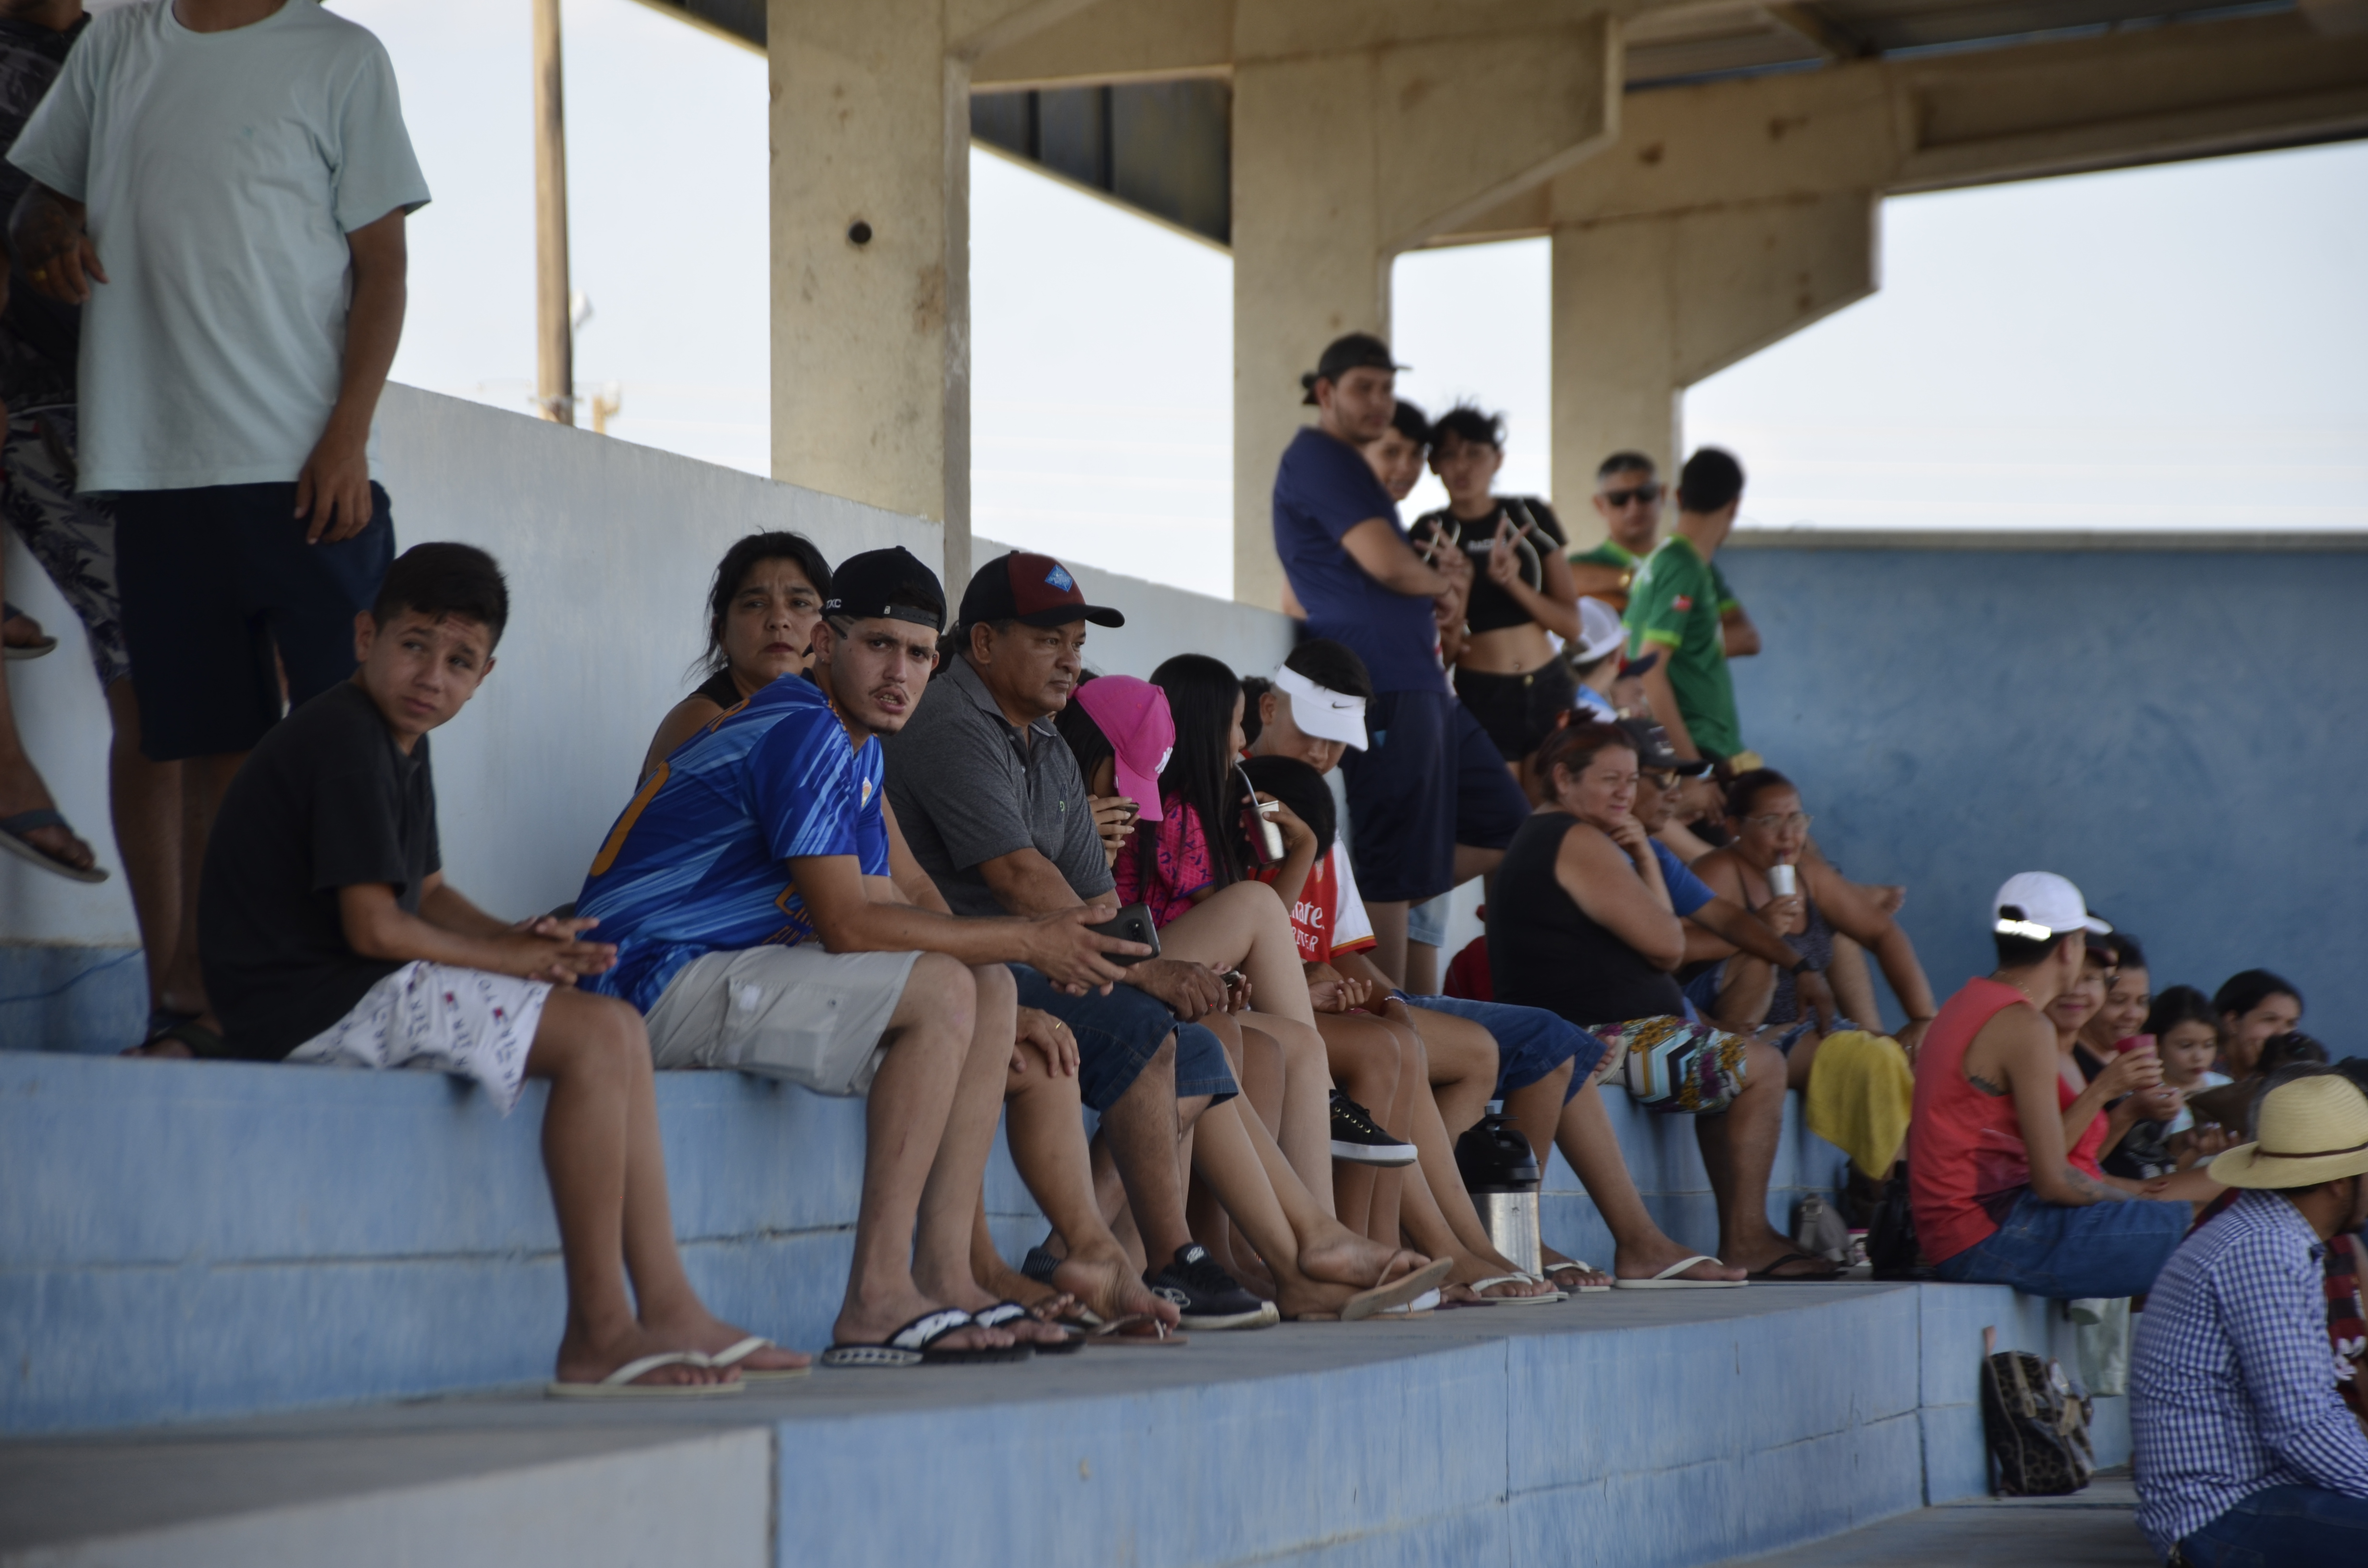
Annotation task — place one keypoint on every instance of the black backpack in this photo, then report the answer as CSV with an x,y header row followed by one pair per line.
x,y
2035,1423
1890,1231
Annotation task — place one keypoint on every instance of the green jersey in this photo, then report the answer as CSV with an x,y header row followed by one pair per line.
x,y
1673,607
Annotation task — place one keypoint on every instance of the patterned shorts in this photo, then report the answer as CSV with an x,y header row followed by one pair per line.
x,y
72,536
1671,1065
440,1019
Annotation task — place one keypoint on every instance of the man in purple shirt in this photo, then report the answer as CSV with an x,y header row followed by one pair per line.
x,y
1430,803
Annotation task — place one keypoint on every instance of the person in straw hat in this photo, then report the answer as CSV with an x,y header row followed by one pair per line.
x,y
2244,1453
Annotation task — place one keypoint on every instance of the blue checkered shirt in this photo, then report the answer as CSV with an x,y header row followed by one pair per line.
x,y
2232,1379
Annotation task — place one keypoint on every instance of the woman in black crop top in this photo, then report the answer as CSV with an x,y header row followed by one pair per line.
x,y
1506,671
761,611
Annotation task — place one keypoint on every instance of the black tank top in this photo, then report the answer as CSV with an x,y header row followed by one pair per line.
x,y
1543,951
718,688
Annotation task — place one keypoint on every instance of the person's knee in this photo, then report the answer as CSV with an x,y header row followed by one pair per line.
x,y
948,987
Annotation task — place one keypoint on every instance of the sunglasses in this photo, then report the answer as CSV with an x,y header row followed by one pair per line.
x,y
1620,499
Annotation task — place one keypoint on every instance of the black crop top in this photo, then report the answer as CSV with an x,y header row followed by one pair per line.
x,y
718,688
1537,532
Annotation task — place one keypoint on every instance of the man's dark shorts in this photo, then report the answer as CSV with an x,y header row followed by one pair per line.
x,y
1119,1034
214,581
1430,779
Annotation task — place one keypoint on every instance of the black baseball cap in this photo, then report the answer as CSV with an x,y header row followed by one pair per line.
x,y
1654,750
1358,351
1034,590
891,583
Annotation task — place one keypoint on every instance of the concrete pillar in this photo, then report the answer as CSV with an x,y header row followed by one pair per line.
x,y
1645,305
1351,144
870,246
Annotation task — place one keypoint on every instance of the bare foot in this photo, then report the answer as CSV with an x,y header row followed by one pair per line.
x,y
1105,1281
1765,1249
1645,1260
583,1359
710,1335
1340,1256
872,1322
1569,1274
22,631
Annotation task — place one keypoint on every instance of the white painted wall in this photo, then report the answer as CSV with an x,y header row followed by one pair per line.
x,y
609,548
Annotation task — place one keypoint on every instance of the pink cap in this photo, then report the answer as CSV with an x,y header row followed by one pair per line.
x,y
1133,714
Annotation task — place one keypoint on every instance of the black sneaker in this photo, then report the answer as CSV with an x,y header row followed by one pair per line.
x,y
1207,1296
1358,1138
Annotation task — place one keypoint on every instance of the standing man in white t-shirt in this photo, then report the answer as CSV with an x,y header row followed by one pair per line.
x,y
222,185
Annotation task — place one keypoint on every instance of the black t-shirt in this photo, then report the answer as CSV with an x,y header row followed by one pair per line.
x,y
719,689
1537,533
1543,950
38,337
326,801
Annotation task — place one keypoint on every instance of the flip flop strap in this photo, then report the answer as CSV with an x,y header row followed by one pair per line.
x,y
1680,1266
1000,1313
1479,1285
648,1364
27,821
929,1328
738,1353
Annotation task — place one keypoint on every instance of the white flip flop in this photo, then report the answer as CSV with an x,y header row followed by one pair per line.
x,y
1665,1280
1397,1292
619,1383
750,1347
1584,1267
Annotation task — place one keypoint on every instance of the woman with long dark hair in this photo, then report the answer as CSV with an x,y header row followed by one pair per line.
x,y
761,609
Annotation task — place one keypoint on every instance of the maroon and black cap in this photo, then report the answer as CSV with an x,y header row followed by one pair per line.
x,y
1033,589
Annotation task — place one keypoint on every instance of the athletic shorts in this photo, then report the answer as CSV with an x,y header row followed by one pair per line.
x,y
803,1013
440,1019
1519,711
72,536
215,582
1429,779
1119,1035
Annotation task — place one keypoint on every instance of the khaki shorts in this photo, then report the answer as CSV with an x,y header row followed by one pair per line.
x,y
811,1017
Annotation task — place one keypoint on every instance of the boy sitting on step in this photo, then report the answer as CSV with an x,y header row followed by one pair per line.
x,y
330,935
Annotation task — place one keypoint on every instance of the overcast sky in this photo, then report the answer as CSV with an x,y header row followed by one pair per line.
x,y
2164,347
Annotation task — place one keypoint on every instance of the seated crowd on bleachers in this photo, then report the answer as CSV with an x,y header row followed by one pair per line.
x,y
924,852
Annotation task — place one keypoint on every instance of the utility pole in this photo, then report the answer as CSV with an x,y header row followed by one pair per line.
x,y
554,333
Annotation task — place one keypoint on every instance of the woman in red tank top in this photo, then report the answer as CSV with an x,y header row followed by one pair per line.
x,y
2090,1130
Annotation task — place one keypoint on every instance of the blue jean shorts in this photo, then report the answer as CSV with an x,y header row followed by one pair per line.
x,y
1530,1041
1120,1034
2045,1249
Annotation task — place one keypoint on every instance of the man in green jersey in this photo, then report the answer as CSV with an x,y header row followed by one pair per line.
x,y
1628,499
1673,608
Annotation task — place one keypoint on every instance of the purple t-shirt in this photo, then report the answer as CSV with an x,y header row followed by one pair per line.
x,y
1323,489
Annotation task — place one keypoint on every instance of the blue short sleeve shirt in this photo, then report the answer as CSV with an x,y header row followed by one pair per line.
x,y
1687,893
1323,489
698,863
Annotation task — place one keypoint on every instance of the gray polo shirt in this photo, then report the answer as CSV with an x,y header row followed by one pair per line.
x,y
968,787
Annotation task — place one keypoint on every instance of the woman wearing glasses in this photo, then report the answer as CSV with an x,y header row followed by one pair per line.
x,y
1770,833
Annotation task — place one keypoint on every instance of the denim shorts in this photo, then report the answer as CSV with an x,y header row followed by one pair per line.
x,y
1426,921
1530,1041
2045,1249
1118,1035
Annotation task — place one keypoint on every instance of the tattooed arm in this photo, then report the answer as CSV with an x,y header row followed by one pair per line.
x,y
2015,1054
46,233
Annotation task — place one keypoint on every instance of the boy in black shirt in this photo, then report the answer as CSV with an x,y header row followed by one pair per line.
x,y
329,935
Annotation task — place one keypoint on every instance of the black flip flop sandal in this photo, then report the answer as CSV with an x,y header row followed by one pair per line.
x,y
1003,1313
910,1347
1768,1276
14,831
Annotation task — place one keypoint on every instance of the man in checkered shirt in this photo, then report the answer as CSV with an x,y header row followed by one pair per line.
x,y
2245,1454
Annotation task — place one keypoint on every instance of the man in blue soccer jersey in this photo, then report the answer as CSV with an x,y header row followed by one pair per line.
x,y
752,890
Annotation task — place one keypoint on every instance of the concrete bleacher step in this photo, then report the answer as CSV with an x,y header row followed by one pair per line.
x,y
1662,1429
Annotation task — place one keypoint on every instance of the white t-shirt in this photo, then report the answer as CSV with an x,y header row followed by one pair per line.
x,y
2186,1118
223,172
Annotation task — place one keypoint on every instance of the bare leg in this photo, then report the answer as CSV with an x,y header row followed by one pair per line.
x,y
1747,987
1144,1130
21,790
1640,1248
1739,1144
145,798
1421,968
1439,1197
1853,988
905,1120
1389,954
1365,1056
592,1052
1462,1067
203,781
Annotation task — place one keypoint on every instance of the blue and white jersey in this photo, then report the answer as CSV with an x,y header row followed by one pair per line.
x,y
698,861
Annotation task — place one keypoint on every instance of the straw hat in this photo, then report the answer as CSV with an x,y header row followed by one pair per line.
x,y
2313,1129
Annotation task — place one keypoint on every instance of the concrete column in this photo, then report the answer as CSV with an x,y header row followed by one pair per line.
x,y
1645,305
1351,144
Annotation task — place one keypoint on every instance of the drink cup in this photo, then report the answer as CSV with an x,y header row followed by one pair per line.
x,y
1782,881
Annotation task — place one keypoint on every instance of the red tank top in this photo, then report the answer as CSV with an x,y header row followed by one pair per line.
x,y
1964,1146
2083,1154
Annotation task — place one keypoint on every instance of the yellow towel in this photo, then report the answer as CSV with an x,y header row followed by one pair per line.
x,y
1861,1091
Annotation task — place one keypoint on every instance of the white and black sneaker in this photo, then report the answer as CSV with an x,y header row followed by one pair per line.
x,y
1206,1296
1358,1138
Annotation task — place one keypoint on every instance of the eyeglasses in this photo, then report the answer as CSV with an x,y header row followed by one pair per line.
x,y
1619,500
1774,821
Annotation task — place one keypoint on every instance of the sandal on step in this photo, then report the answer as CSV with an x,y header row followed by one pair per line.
x,y
619,1383
1667,1279
12,831
910,1345
1398,1291
1003,1313
1580,1267
1768,1276
1138,1329
750,1347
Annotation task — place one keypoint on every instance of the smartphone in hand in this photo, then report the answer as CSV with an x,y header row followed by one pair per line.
x,y
1131,923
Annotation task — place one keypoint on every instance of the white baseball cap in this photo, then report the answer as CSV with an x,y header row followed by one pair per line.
x,y
1599,632
1320,712
2040,906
